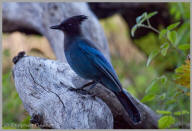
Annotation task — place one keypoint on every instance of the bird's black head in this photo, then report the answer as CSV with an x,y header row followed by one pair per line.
x,y
71,25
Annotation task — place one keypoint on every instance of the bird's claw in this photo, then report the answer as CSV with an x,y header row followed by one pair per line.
x,y
82,91
76,89
79,90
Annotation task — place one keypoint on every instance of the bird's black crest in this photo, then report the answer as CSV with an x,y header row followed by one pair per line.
x,y
71,26
75,19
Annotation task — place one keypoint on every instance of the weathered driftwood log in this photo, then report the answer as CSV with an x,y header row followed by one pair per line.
x,y
39,17
44,88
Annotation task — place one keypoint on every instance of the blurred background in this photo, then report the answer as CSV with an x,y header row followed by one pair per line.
x,y
164,85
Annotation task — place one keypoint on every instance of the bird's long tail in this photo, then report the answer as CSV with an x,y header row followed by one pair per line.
x,y
129,106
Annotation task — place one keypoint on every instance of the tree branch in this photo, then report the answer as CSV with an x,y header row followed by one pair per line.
x,y
43,86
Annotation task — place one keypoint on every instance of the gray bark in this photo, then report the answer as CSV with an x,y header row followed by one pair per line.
x,y
39,102
44,88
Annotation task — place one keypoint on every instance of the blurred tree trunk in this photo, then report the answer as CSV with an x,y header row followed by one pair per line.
x,y
38,17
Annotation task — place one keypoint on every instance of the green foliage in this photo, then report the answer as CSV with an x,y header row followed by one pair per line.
x,y
141,75
179,113
12,105
140,20
172,36
6,53
166,121
26,122
151,56
148,97
180,10
168,34
155,87
133,30
173,26
175,35
163,112
169,93
184,47
162,33
182,76
164,48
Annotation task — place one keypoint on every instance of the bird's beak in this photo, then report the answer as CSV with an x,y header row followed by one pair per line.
x,y
57,27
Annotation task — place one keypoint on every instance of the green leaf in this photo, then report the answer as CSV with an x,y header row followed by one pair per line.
x,y
172,26
162,33
184,46
148,98
163,112
164,48
184,33
162,97
134,28
164,51
151,14
163,79
166,121
153,87
26,122
151,56
178,113
168,102
179,69
164,45
172,36
140,19
6,52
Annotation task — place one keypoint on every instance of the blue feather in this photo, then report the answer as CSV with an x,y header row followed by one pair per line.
x,y
101,65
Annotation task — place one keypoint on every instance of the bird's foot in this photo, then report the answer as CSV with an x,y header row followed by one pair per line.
x,y
93,83
79,90
82,91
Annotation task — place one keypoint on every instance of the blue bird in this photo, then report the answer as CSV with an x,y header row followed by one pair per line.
x,y
88,62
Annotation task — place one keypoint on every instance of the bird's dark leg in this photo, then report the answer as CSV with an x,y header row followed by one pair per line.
x,y
82,88
88,84
93,85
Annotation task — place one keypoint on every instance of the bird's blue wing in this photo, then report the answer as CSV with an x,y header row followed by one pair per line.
x,y
100,62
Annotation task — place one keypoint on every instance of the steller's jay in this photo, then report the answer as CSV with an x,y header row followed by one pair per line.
x,y
88,62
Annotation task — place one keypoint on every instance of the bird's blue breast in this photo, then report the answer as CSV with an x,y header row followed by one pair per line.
x,y
79,62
